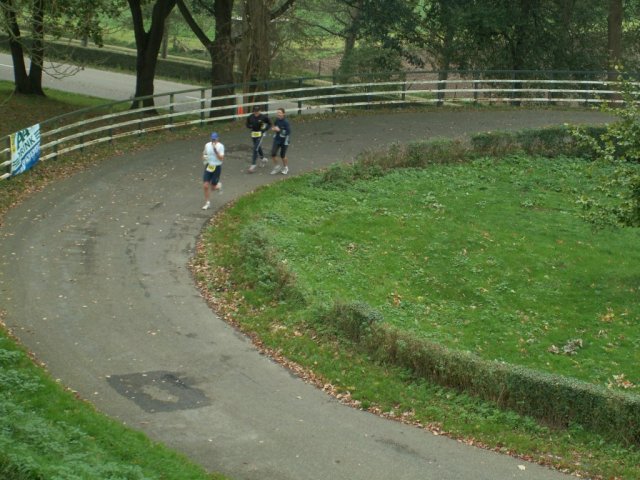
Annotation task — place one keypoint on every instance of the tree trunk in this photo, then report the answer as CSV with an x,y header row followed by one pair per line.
x,y
223,56
256,44
165,39
352,29
222,53
446,52
37,53
21,80
614,31
147,46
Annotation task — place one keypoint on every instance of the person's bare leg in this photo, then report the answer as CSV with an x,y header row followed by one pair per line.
x,y
206,188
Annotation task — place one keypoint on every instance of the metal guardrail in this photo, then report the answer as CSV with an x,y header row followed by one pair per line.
x,y
96,125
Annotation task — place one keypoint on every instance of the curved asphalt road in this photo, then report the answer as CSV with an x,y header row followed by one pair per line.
x,y
94,280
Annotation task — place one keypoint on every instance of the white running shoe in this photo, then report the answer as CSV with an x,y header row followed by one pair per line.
x,y
263,162
252,169
206,206
285,170
276,169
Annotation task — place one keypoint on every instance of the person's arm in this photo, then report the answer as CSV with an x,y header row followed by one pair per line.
x,y
219,150
205,155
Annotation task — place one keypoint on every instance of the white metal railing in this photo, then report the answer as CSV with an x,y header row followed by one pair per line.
x,y
110,122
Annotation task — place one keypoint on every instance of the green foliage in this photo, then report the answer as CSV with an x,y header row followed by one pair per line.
x,y
369,63
265,268
550,142
553,141
45,433
557,400
355,319
618,148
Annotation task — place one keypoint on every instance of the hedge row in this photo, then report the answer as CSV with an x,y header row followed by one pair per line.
x,y
556,400
551,142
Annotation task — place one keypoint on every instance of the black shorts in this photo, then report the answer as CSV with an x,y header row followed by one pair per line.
x,y
212,177
279,146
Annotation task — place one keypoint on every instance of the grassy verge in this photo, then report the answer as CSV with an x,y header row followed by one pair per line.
x,y
45,431
480,257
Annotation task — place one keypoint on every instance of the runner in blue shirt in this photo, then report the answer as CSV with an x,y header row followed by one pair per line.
x,y
281,140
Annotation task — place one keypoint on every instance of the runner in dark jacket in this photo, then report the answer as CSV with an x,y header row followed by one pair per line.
x,y
259,124
281,139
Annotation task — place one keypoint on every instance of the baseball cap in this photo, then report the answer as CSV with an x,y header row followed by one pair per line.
x,y
214,136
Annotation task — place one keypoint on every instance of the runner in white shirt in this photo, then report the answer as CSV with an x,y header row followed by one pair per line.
x,y
212,157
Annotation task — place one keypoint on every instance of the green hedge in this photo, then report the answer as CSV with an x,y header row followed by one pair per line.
x,y
265,268
556,400
551,142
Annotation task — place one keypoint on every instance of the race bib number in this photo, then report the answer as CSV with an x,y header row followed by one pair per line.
x,y
256,134
211,168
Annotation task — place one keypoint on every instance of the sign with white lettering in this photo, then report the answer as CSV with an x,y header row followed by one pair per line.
x,y
25,149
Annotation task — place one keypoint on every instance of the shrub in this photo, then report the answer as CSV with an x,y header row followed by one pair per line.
x,y
265,268
355,320
556,400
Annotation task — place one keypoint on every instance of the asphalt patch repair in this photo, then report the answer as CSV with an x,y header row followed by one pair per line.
x,y
159,391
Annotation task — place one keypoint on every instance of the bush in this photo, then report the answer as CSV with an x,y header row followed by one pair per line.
x,y
619,146
556,400
265,268
354,320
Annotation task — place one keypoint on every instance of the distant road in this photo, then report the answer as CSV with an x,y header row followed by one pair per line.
x,y
112,85
89,81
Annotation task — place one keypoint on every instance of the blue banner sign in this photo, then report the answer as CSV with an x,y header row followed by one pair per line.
x,y
25,149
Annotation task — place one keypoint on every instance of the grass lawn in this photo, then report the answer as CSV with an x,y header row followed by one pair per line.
x,y
490,256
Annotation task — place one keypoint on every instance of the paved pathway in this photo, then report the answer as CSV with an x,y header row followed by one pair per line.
x,y
94,279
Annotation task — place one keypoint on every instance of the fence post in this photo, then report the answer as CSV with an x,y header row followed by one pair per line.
x,y
299,101
442,84
514,86
476,84
202,97
8,137
586,97
171,109
239,105
333,92
111,127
